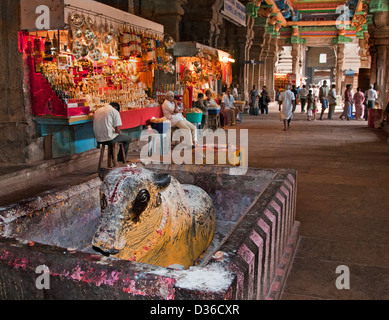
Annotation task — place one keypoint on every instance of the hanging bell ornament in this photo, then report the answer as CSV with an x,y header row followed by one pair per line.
x,y
172,68
169,58
165,68
170,43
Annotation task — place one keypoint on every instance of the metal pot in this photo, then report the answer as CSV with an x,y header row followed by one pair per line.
x,y
77,20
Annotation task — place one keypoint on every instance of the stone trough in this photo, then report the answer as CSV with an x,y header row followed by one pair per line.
x,y
249,257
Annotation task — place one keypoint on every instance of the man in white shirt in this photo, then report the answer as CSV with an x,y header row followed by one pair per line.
x,y
235,93
371,97
106,127
287,99
172,112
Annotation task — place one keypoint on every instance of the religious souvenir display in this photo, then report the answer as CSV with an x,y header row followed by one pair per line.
x,y
101,63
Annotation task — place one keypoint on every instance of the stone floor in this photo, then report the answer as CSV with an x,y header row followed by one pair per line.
x,y
342,200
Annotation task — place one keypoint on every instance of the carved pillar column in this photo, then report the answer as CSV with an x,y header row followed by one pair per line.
x,y
245,40
379,51
373,65
271,60
295,59
364,53
169,13
255,53
263,57
339,68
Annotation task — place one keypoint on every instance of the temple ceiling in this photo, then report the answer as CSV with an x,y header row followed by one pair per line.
x,y
315,18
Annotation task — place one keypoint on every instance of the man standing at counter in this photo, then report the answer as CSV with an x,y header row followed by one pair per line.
x,y
106,126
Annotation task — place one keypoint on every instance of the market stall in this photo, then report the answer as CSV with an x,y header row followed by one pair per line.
x,y
200,68
99,55
281,81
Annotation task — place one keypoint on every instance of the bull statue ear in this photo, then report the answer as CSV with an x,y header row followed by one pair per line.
x,y
103,172
162,181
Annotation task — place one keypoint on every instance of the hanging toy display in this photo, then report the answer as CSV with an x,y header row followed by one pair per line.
x,y
37,52
160,53
130,43
48,49
55,46
29,50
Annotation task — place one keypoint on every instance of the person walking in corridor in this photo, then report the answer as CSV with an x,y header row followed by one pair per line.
x,y
348,101
359,98
278,99
253,96
294,91
303,93
323,96
264,101
288,103
332,101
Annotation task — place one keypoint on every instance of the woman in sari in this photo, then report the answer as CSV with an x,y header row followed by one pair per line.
x,y
359,98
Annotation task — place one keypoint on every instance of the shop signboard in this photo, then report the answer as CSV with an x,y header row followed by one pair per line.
x,y
39,15
235,11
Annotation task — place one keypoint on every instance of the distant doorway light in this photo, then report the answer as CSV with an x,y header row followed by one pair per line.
x,y
323,58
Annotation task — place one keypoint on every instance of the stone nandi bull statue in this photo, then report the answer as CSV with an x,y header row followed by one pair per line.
x,y
152,218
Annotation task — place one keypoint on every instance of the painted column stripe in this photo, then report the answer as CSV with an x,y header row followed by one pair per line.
x,y
258,241
249,257
265,228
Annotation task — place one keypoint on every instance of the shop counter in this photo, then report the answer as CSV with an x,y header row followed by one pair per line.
x,y
68,136
140,117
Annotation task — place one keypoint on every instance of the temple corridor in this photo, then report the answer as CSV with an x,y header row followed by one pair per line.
x,y
342,204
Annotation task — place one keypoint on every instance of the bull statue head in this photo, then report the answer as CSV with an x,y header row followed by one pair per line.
x,y
152,218
127,196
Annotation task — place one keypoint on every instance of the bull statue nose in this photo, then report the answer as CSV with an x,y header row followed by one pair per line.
x,y
101,242
112,251
107,249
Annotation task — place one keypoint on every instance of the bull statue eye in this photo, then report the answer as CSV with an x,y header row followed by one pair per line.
x,y
140,204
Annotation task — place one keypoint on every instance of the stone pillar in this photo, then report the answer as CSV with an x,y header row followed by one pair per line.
x,y
166,12
169,14
271,60
339,68
379,51
364,53
295,59
202,22
263,57
18,134
245,41
373,64
255,54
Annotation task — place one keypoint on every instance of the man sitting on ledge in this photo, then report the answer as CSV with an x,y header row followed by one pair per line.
x,y
106,126
172,112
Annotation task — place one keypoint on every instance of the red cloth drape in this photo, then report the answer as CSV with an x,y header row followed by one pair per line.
x,y
141,117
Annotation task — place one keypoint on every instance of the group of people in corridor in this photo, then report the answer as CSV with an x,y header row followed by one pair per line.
x,y
326,97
